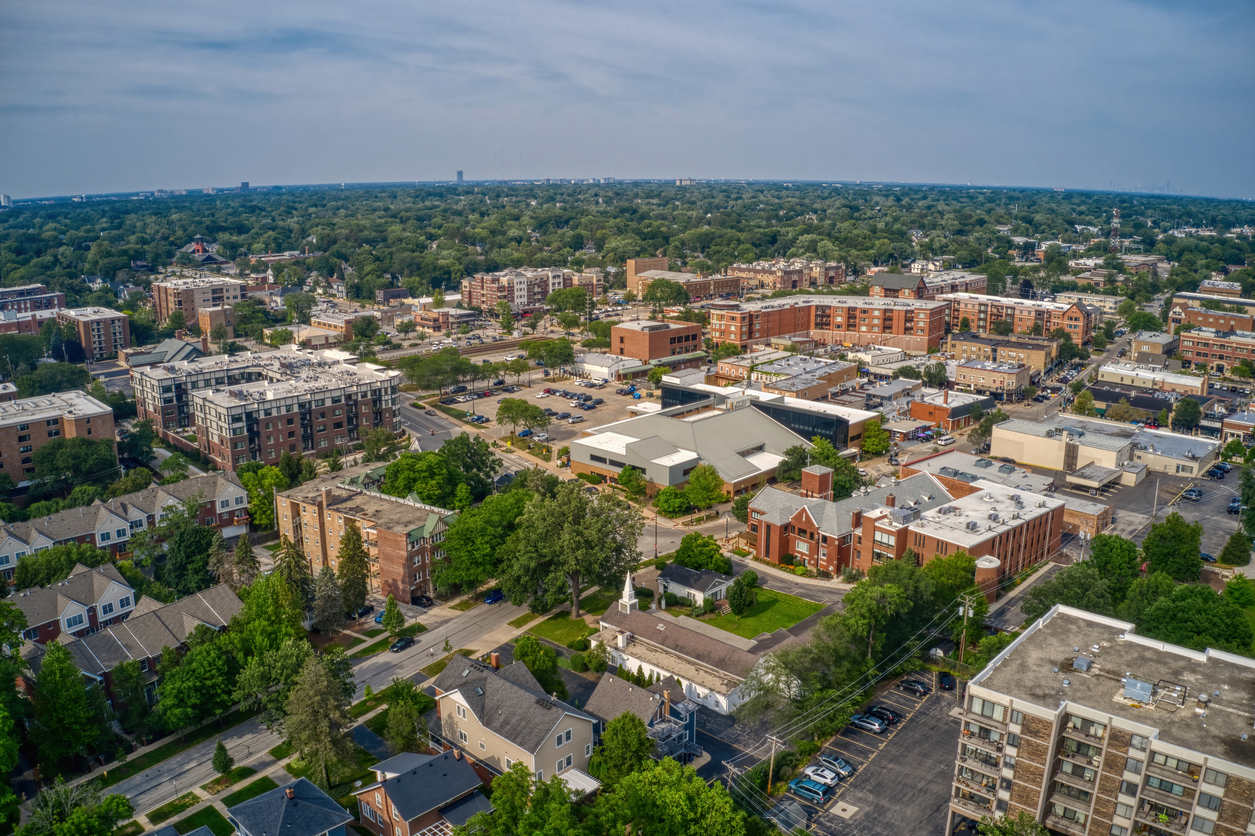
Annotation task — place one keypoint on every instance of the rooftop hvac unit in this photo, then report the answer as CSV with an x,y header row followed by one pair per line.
x,y
1137,689
972,525
1082,663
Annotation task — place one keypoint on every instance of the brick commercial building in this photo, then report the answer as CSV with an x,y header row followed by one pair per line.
x,y
1143,377
191,294
649,340
402,537
636,266
1038,353
1005,381
912,325
982,312
102,332
697,287
341,322
1154,344
14,322
30,297
1218,320
808,378
1094,730
913,286
255,407
1218,350
948,410
526,288
1206,303
795,274
30,423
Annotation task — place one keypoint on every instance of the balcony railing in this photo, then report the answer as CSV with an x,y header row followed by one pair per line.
x,y
1074,780
1166,819
981,742
971,806
982,720
989,786
1094,739
1185,779
1066,825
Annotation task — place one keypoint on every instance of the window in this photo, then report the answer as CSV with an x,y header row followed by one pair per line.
x,y
508,763
106,609
588,750
240,500
120,533
124,602
985,708
1203,825
104,537
1139,742
1124,811
540,774
1128,788
1211,776
378,801
482,747
224,503
1164,785
1077,771
568,736
1133,765
558,741
1209,801
460,711
1017,717
1008,762
1013,739
74,621
462,736
1160,759
568,761
1086,726
1117,830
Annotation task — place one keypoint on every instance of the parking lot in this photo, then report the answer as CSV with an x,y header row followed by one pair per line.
x,y
902,777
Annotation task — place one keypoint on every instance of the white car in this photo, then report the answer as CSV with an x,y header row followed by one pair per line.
x,y
823,776
540,437
542,395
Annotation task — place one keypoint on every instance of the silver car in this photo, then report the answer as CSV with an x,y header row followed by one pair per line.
x,y
822,776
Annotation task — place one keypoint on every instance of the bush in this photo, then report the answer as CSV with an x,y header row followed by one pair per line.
x,y
710,605
807,749
591,478
578,644
660,564
578,663
598,659
786,560
671,599
799,570
643,592
851,575
823,574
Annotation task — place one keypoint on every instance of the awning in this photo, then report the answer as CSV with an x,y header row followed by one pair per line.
x,y
580,783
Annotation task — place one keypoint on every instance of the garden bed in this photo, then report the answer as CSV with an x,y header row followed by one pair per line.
x,y
233,777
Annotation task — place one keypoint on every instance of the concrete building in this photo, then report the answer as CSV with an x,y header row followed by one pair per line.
x,y
257,406
1025,315
402,536
102,332
636,266
912,325
1218,350
1240,425
1004,381
30,423
1106,304
1144,377
1092,729
876,355
738,368
191,294
30,297
792,274
1038,353
697,286
648,340
948,410
918,286
29,323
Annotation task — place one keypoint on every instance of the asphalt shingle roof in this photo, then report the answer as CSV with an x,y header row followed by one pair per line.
x,y
309,812
697,647
778,507
698,580
434,783
459,812
84,586
614,696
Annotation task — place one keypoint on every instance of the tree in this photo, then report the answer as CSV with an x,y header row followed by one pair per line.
x,y
393,620
196,687
741,507
671,501
790,467
1117,561
1237,551
268,678
61,709
244,565
663,798
1173,547
934,375
220,560
381,444
705,487
137,480
328,605
130,699
406,731
262,484
49,566
1002,327
664,292
869,607
1144,593
633,482
292,567
1186,414
624,748
1240,590
138,443
1080,585
1194,616
1099,341
8,760
558,353
280,337
223,762
1022,824
52,377
299,306
353,568
965,325
1122,411
699,551
1142,321
75,810
656,374
76,460
1084,404
565,541
473,456
875,439
473,540
523,805
542,661
429,476
316,721
743,593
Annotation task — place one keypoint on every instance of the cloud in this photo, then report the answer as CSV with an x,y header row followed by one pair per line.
x,y
1073,93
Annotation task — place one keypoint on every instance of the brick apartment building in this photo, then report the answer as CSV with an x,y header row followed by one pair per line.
x,y
636,266
255,407
795,274
913,286
30,297
1219,350
526,288
1038,353
648,340
1217,287
191,294
697,287
1107,305
30,322
30,423
982,312
913,325
1201,317
102,332
210,318
402,537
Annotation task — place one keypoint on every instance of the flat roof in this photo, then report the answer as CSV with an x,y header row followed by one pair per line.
x,y
993,510
955,464
832,302
1005,300
990,366
92,313
72,404
1034,667
198,281
1115,435
1151,375
655,325
851,415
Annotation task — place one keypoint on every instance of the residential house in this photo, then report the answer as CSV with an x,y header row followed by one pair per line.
x,y
295,809
88,600
421,795
669,716
697,586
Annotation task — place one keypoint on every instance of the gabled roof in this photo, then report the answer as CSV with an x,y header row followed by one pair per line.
x,y
897,281
84,587
778,507
309,812
459,812
436,782
703,580
614,696
508,702
681,641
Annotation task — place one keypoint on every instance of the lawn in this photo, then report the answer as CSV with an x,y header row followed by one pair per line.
x,y
134,828
172,808
469,603
208,817
380,646
598,602
342,774
261,785
283,750
524,619
379,723
773,611
439,665
560,629
137,764
236,775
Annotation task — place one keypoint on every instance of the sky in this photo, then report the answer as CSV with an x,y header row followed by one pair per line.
x,y
1087,94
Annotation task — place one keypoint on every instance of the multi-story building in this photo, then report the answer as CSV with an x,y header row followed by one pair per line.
x,y
89,599
808,378
1038,353
793,274
1200,317
30,423
1005,381
912,325
1219,350
29,322
1070,442
419,795
1216,287
1092,729
341,322
1207,301
402,537
636,266
648,340
1153,343
697,287
189,295
525,288
210,318
915,286
1106,304
738,368
949,410
256,407
388,295
102,332
1025,315
30,297
1145,377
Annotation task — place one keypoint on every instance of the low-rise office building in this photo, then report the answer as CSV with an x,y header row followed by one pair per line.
x,y
1212,303
1070,442
647,340
1005,381
1143,377
1200,317
210,318
1025,315
341,322
732,369
876,355
1038,353
949,410
102,332
30,423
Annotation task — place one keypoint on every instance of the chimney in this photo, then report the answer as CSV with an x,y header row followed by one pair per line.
x,y
666,696
457,754
945,396
291,793
891,501
496,660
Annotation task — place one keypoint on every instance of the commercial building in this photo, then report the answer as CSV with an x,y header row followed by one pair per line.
x,y
440,320
1106,304
876,355
648,340
102,332
916,286
388,295
1038,353
1200,317
949,410
636,266
1005,381
1182,302
341,322
402,536
1154,343
257,406
807,378
1092,729
1216,287
912,325
697,286
738,368
30,297
1145,377
1240,425
191,294
792,274
1218,350
1025,315
30,423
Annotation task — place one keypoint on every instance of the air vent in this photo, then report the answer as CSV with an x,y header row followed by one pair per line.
x,y
544,703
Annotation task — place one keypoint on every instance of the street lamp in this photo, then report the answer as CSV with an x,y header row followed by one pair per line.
x,y
655,535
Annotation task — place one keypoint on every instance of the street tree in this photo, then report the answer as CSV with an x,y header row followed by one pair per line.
x,y
406,731
75,810
328,604
875,439
624,748
61,708
705,487
790,467
393,619
664,292
1080,585
473,540
934,375
1116,560
353,568
316,721
268,678
223,763
428,475
1173,547
195,687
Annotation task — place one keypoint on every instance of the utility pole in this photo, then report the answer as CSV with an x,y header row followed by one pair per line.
x,y
965,607
772,767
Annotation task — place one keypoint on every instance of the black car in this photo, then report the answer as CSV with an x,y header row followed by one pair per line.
x,y
947,681
913,686
1235,506
423,601
363,612
1215,473
887,714
1206,557
562,416
401,644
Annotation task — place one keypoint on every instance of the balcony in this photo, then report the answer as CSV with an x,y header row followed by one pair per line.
x,y
1185,779
989,785
1161,819
982,720
983,743
1074,780
1065,825
971,808
1092,739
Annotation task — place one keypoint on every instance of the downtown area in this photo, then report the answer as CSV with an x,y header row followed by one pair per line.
x,y
594,508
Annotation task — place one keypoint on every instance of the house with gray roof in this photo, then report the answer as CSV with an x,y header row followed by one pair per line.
x,y
697,585
295,809
88,600
669,716
422,795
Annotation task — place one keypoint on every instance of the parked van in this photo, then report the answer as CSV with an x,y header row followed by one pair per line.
x,y
945,441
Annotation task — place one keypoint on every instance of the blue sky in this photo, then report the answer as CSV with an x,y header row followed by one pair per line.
x,y
99,97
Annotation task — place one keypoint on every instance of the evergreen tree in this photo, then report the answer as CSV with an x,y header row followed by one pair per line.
x,y
223,762
1237,552
220,559
352,568
244,565
393,619
317,719
328,606
293,567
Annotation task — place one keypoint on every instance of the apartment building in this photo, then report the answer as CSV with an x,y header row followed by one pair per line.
x,y
1208,300
402,536
30,297
912,325
1199,317
102,332
1038,353
210,318
1216,287
791,274
1092,729
1153,343
255,407
916,286
1149,377
14,322
1107,305
86,601
1005,381
697,287
636,266
525,288
1218,350
648,340
189,295
1025,315
30,423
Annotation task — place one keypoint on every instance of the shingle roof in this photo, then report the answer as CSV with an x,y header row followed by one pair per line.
x,y
694,646
614,696
397,764
434,783
508,702
896,281
309,812
84,586
459,812
698,580
778,507
169,830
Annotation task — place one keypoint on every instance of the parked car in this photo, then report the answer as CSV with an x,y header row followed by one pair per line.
x,y
540,437
1215,473
423,601
822,776
887,714
562,416
578,419
893,460
598,401
525,433
947,681
1225,466
945,441
1235,506
808,789
836,764
913,686
494,596
1192,494
498,383
401,644
1206,557
364,611
868,723
544,394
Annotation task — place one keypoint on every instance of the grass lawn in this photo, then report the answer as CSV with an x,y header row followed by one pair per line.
x,y
284,749
379,723
560,628
134,828
773,611
1250,616
439,665
370,634
524,619
261,785
208,817
236,775
469,603
172,808
139,763
342,774
598,602
380,646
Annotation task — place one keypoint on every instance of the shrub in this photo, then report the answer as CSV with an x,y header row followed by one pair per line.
x,y
851,575
598,659
710,605
824,574
644,592
799,570
786,559
660,564
671,599
807,749
578,663
578,644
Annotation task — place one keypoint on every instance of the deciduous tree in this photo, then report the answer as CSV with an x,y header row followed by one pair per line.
x,y
473,540
268,677
1117,561
624,748
262,484
197,688
868,607
875,439
61,708
1173,547
75,810
700,551
633,482
1080,585
705,487
393,619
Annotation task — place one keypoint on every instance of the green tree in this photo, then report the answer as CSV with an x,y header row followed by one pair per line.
x,y
352,568
633,482
705,487
741,507
699,551
8,760
934,375
75,810
790,467
474,458
743,593
1186,414
875,439
1118,562
1080,585
262,484
1237,551
197,688
671,501
1144,593
292,567
268,677
244,565
328,605
220,560
138,444
316,720
624,748
664,292
223,762
130,699
393,620
61,708
1173,547
542,661
965,325
1084,404
52,377
1194,616
49,566
1022,824
656,374
299,306
429,476
406,731
869,607
1240,591
77,460
473,540
523,805
664,798
1142,321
